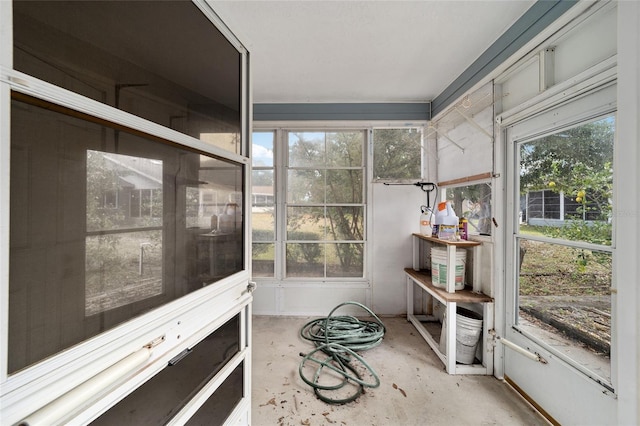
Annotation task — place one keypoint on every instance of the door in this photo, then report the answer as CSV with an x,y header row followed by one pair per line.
x,y
560,251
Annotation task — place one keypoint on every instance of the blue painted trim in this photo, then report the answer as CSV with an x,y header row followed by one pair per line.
x,y
342,111
534,20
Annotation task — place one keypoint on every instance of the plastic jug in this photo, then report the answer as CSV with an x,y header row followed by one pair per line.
x,y
447,221
425,220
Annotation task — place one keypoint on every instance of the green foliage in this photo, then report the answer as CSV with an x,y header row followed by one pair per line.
x,y
397,154
326,168
310,252
577,162
579,230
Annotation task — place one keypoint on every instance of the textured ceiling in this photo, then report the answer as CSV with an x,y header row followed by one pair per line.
x,y
363,51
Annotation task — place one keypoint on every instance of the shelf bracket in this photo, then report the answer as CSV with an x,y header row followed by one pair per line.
x,y
474,124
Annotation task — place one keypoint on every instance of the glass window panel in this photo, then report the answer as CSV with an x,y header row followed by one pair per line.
x,y
162,74
305,223
473,202
345,223
220,405
306,186
173,387
577,163
305,260
81,263
565,301
262,149
262,188
122,268
263,224
344,149
263,259
306,149
344,186
397,154
345,260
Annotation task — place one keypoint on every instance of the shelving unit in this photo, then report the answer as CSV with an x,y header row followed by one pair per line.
x,y
419,277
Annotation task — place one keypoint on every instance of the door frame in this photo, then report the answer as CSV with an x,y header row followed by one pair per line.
x,y
548,385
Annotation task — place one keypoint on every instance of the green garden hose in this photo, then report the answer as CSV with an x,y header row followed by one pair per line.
x,y
339,337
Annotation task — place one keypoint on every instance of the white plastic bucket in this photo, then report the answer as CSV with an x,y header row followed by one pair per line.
x,y
468,331
439,267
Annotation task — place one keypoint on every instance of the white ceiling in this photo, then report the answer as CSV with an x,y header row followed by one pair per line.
x,y
363,51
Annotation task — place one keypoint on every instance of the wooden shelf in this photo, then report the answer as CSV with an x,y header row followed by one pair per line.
x,y
461,243
419,283
423,278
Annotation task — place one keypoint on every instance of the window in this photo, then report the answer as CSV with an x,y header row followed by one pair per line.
x,y
162,75
185,376
325,204
565,249
473,202
78,265
263,202
397,154
109,221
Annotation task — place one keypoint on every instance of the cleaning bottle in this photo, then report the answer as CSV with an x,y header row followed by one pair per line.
x,y
447,221
425,220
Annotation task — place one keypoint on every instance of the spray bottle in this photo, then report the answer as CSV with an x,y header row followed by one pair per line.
x,y
425,220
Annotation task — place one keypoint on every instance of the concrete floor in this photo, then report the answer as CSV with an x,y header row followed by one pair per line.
x,y
414,389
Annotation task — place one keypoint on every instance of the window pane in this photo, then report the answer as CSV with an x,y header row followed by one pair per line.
x,y
344,186
305,260
344,149
122,268
575,163
263,259
473,202
397,153
263,224
262,150
564,298
162,74
306,186
172,387
306,149
345,223
345,260
305,223
262,184
220,405
86,255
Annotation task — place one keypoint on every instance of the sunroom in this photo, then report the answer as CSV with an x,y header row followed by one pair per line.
x,y
185,184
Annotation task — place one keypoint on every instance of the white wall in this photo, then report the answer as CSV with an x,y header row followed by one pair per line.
x,y
395,216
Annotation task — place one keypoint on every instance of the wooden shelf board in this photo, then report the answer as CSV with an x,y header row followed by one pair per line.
x,y
460,296
461,243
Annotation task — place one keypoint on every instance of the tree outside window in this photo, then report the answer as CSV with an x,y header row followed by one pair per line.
x,y
325,204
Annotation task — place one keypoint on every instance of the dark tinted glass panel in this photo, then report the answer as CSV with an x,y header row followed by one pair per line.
x,y
163,61
215,411
164,395
106,225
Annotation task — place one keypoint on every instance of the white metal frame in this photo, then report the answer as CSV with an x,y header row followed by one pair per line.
x,y
180,323
581,107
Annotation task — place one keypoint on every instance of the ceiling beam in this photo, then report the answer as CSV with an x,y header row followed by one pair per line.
x,y
342,111
534,20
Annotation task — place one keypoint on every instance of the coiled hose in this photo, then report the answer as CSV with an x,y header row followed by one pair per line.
x,y
339,337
